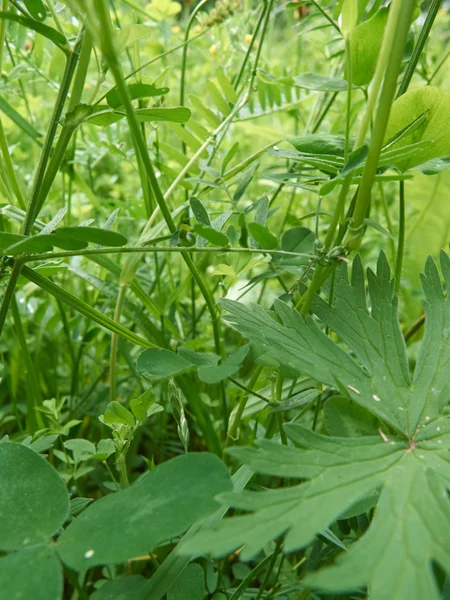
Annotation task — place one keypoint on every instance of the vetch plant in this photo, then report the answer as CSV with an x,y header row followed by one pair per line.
x,y
168,168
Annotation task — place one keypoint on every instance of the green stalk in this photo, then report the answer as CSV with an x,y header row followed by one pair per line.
x,y
114,342
184,53
83,307
3,142
401,238
34,400
105,35
418,48
64,89
30,216
391,55
234,427
165,249
250,48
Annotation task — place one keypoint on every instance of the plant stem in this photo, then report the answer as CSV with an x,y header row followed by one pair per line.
x,y
185,47
234,427
30,216
166,249
418,48
114,341
250,48
33,396
111,56
401,237
68,74
390,57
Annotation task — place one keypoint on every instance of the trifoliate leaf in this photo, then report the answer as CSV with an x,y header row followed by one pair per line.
x,y
406,462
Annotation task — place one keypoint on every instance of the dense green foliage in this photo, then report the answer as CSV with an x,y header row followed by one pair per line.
x,y
225,330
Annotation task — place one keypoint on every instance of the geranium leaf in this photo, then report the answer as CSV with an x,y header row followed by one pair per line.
x,y
403,458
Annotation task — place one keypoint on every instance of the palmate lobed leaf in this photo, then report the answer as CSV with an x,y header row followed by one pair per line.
x,y
408,463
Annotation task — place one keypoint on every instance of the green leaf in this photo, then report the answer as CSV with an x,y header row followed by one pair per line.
x,y
345,418
349,17
365,46
107,116
124,588
116,414
190,584
103,116
205,112
159,506
320,83
159,363
51,34
200,212
83,307
131,34
179,114
229,367
36,8
22,123
93,235
262,236
319,144
136,92
297,239
177,560
211,235
9,239
408,467
33,573
140,406
226,86
220,102
33,498
68,238
162,9
244,182
229,157
435,128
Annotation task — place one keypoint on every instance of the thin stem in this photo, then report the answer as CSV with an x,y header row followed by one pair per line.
x,y
401,237
414,328
34,418
114,342
260,45
112,58
418,48
25,258
153,60
185,47
327,16
69,71
348,56
204,146
234,427
249,49
392,51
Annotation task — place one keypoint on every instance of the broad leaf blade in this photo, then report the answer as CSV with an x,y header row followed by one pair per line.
x,y
33,498
159,506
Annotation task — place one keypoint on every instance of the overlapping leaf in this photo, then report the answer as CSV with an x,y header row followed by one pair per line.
x,y
408,461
